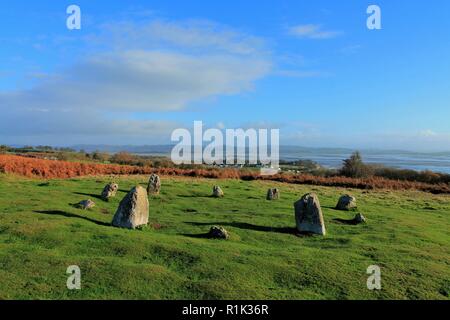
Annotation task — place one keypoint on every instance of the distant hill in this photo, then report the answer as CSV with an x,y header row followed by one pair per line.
x,y
144,149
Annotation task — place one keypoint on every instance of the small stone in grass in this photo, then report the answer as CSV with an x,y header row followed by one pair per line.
x,y
217,232
85,204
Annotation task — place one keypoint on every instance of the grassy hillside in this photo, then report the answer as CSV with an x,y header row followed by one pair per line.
x,y
41,234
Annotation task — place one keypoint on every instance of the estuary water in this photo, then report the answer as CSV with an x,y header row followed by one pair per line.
x,y
332,158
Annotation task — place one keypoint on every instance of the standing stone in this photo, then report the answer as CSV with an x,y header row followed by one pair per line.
x,y
133,209
154,185
308,215
85,204
217,192
273,194
346,203
110,191
218,233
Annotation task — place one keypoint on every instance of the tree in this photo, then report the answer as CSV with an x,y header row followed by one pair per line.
x,y
100,156
354,167
122,158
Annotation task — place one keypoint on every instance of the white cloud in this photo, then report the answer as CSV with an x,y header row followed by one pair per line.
x,y
192,35
146,68
427,133
313,31
64,127
141,81
220,125
319,135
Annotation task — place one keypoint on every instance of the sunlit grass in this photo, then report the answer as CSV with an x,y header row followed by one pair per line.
x,y
41,234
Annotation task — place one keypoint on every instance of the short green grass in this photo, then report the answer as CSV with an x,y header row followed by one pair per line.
x,y
41,234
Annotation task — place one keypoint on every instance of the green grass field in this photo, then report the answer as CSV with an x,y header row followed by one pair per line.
x,y
41,234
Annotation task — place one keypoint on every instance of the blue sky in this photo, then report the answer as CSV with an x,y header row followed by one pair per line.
x,y
139,69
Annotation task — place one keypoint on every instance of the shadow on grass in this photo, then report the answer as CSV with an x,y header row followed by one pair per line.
x,y
190,210
71,215
349,222
44,184
197,236
340,210
249,226
89,195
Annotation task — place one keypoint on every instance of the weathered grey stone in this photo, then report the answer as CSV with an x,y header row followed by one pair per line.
x,y
218,233
110,191
308,215
217,192
346,202
359,218
273,194
85,204
133,209
154,185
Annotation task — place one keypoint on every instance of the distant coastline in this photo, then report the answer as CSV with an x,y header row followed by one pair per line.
x,y
327,157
